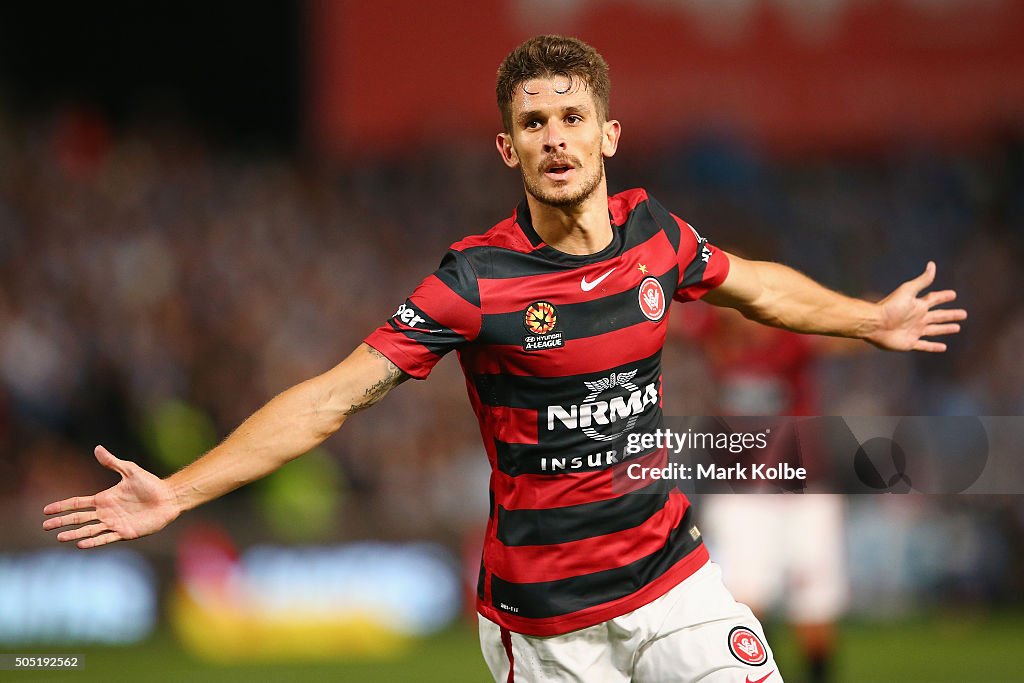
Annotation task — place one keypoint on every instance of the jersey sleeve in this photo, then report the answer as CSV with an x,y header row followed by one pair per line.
x,y
442,314
702,267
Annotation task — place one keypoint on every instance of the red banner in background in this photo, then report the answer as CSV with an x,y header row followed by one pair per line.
x,y
795,75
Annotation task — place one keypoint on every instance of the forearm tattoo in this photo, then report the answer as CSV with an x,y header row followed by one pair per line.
x,y
379,390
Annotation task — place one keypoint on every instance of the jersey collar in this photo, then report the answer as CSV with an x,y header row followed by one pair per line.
x,y
525,222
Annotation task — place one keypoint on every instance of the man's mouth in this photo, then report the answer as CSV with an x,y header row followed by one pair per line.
x,y
558,170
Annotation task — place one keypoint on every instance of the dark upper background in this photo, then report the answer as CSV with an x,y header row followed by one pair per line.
x,y
232,69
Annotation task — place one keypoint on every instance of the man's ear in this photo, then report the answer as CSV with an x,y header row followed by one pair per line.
x,y
506,150
610,137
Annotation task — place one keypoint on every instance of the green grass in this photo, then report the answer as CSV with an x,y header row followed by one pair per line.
x,y
942,649
451,656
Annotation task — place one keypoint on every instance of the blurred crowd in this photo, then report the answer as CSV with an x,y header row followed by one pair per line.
x,y
145,273
141,269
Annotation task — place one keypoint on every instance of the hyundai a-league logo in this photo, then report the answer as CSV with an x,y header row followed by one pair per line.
x,y
540,318
541,323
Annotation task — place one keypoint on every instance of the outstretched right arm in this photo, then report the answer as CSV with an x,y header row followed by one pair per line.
x,y
289,425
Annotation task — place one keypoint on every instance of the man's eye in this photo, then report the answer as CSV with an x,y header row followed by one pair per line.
x,y
535,123
573,118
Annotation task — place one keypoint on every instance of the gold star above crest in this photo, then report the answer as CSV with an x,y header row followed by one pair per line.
x,y
642,268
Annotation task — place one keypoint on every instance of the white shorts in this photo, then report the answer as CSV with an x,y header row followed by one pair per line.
x,y
695,632
780,551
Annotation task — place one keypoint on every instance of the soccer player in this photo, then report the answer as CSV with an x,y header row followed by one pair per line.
x,y
558,315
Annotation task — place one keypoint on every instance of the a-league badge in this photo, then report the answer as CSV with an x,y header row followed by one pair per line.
x,y
652,299
541,322
747,647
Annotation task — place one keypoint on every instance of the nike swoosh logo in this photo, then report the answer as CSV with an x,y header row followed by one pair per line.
x,y
761,679
587,286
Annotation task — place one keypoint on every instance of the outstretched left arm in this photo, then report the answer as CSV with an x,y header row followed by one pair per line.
x,y
777,295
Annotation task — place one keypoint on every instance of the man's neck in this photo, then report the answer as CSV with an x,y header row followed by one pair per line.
x,y
582,229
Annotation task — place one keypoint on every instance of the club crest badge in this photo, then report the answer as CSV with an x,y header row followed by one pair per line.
x,y
747,647
541,322
652,299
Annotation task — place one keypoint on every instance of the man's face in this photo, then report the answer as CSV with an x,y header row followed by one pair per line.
x,y
558,140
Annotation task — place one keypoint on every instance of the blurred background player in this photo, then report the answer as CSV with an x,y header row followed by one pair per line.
x,y
780,552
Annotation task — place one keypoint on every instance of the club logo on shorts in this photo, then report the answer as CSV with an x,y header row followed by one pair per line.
x,y
747,647
652,299
541,321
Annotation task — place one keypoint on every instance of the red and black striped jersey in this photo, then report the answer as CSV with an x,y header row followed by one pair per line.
x,y
562,358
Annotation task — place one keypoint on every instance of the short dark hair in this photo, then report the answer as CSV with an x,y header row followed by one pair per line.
x,y
546,56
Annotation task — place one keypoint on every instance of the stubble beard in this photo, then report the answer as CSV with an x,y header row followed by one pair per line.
x,y
560,201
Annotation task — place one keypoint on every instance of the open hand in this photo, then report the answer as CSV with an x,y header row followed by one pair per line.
x,y
139,505
908,318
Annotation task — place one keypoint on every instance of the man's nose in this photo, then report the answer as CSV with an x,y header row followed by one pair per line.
x,y
554,137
